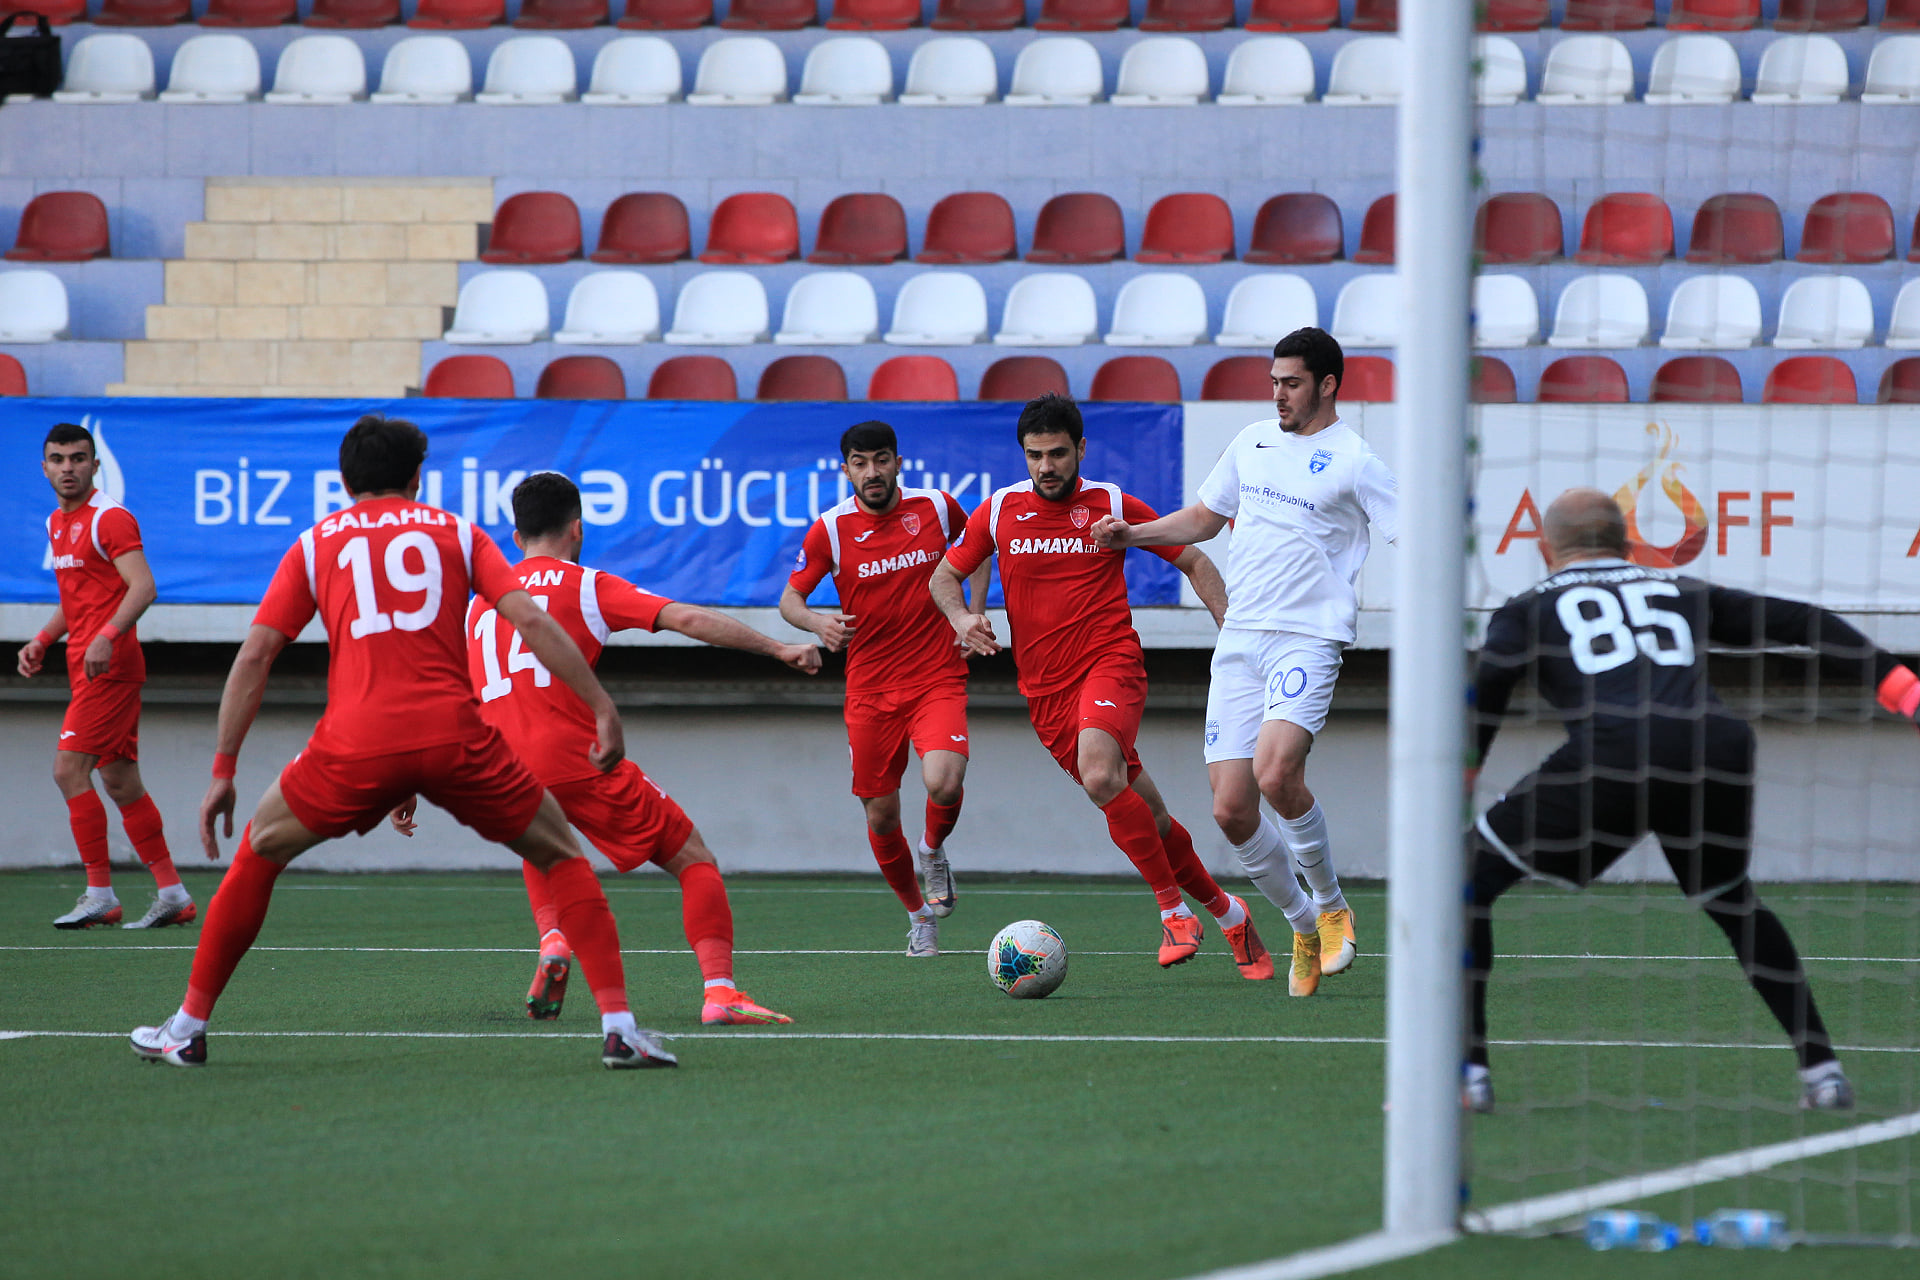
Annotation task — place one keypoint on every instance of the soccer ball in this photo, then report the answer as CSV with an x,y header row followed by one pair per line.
x,y
1027,960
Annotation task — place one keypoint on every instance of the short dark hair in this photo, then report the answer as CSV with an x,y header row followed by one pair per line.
x,y
380,454
1049,414
1316,349
545,502
867,437
69,433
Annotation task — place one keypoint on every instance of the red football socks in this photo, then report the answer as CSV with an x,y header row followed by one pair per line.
x,y
896,864
545,917
941,819
708,920
587,921
1188,870
1131,825
88,818
234,917
149,837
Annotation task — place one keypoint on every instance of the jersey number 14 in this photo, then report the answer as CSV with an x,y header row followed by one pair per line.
x,y
1637,629
500,683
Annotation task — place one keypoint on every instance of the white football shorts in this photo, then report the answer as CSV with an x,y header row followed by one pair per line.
x,y
1267,675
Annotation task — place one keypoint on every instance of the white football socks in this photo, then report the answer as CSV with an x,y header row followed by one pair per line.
x,y
1182,910
103,896
1235,914
184,1024
1306,838
1265,860
175,894
622,1022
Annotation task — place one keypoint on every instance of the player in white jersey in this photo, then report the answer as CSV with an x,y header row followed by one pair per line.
x,y
1302,491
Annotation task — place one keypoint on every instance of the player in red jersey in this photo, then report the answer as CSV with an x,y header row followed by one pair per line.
x,y
105,585
1081,667
622,812
906,678
390,578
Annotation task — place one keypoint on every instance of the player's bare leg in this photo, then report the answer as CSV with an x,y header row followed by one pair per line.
x,y
945,776
1280,767
1134,827
146,831
87,818
896,864
1263,855
1236,924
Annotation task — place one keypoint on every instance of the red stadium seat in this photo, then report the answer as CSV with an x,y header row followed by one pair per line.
x,y
355,15
1368,378
58,13
1737,229
1239,378
869,228
770,15
534,226
979,15
754,227
1023,378
13,378
562,15
1514,15
1190,227
61,226
1376,15
1583,380
143,13
666,15
644,227
1607,15
1293,15
1810,380
458,15
249,13
874,15
1081,15
1143,378
1376,233
1493,382
1900,384
1301,226
581,378
1847,226
914,378
470,378
1713,15
1901,15
803,378
1697,380
1626,229
969,227
1080,227
1820,15
1518,228
1187,15
693,378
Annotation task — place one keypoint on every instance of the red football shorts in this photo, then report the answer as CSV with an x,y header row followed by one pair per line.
x,y
1110,698
479,781
626,815
103,720
881,723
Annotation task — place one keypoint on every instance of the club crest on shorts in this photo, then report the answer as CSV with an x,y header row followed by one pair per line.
x,y
910,521
1213,732
1319,461
1080,516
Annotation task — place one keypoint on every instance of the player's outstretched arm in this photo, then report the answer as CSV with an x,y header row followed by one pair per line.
x,y
239,705
1204,574
1743,619
34,652
1196,523
134,571
834,629
975,632
556,650
711,627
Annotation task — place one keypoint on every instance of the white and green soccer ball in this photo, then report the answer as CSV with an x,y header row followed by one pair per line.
x,y
1027,960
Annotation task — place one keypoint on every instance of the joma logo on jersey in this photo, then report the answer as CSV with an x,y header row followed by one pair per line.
x,y
874,568
1051,546
350,519
544,578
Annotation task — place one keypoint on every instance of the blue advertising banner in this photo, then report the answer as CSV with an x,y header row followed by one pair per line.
x,y
704,502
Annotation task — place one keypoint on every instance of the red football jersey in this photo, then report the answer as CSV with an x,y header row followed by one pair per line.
x,y
880,566
548,726
389,578
85,542
1066,594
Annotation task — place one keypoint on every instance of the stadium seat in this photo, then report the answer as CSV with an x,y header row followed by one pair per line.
x,y
979,15
634,71
1626,229
533,227
1900,15
914,378
1737,229
1810,380
802,378
13,378
693,378
470,378
562,15
829,308
1187,15
1847,226
1716,312
1376,15
58,13
458,15
1265,308
1190,227
1586,70
865,229
62,226
426,69
1367,311
846,71
1697,380
970,227
1376,233
740,71
1367,71
1492,382
1893,70
756,227
1293,15
1903,326
720,309
1368,379
354,15
1164,309
1147,379
320,71
1501,78
1161,71
1050,309
1607,15
1267,71
500,308
214,68
644,227
939,309
874,15
249,13
1079,227
1693,69
33,306
770,15
1023,378
666,15
529,71
581,378
1713,15
143,13
1056,71
1899,383
1600,311
1299,227
1239,378
1505,312
1514,15
1583,380
109,67
1518,228
951,71
1081,15
610,308
1799,70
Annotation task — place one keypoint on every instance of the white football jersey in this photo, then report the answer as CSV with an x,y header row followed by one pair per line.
x,y
1300,508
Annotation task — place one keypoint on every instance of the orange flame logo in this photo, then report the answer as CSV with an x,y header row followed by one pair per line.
x,y
1693,539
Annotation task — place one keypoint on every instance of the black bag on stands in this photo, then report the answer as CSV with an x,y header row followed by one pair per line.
x,y
29,64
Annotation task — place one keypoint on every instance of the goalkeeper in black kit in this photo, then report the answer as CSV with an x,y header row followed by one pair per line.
x,y
1619,652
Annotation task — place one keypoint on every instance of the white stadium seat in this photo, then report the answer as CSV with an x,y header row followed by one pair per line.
x,y
320,71
530,71
740,71
110,67
33,306
214,68
1502,80
1825,311
1161,71
1694,69
1368,71
499,308
634,71
611,308
1712,313
1797,70
846,71
1056,71
426,70
1893,72
1161,309
720,309
1903,329
830,308
1050,309
939,309
1505,312
1263,309
1586,70
951,71
1602,310
1265,71
1367,312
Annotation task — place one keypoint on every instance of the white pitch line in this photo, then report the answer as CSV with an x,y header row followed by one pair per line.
x,y
1336,1259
